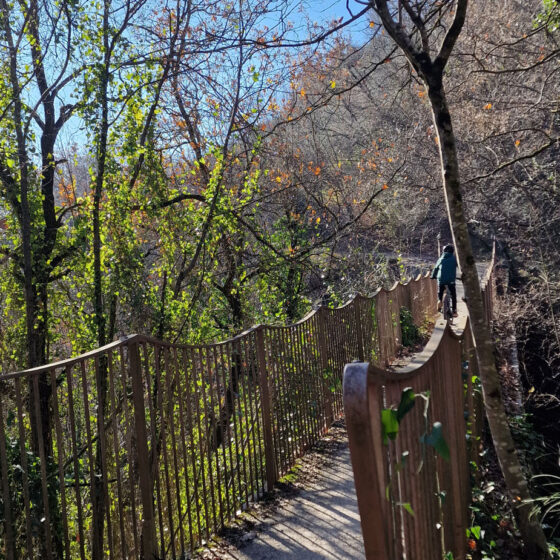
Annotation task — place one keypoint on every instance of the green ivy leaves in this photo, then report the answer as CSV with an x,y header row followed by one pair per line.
x,y
391,419
436,440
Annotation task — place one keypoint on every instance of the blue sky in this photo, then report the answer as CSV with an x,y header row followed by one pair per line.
x,y
323,11
333,8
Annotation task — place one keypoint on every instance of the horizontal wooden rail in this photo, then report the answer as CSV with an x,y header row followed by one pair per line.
x,y
149,448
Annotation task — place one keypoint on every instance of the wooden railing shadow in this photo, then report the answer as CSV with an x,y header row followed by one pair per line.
x,y
413,503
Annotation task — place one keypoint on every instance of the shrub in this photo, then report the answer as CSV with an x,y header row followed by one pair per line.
x,y
409,331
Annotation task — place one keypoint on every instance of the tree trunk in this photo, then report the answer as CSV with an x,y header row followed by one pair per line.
x,y
37,247
531,531
98,496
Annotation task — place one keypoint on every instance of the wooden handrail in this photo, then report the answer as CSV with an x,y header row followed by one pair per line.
x,y
125,340
389,531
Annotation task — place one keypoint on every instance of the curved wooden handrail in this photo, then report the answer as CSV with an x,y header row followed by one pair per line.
x,y
239,411
388,533
126,340
71,361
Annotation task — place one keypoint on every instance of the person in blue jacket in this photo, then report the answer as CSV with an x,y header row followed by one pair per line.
x,y
446,273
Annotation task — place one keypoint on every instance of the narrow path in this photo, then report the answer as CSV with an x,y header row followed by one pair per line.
x,y
316,517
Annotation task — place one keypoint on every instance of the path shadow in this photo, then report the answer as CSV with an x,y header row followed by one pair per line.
x,y
318,521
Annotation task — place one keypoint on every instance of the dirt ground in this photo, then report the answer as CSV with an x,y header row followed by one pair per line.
x,y
312,515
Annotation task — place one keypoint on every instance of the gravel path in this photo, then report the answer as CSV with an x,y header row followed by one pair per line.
x,y
314,518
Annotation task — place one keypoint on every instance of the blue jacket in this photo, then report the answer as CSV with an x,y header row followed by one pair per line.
x,y
446,269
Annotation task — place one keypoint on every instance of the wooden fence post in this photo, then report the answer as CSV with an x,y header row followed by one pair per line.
x,y
451,409
363,421
8,522
324,365
270,460
359,330
148,536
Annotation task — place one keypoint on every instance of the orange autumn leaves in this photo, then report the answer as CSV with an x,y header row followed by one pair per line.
x,y
487,107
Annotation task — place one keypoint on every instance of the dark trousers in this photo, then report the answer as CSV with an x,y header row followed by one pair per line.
x,y
453,293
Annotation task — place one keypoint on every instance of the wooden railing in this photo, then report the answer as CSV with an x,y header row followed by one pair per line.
x,y
149,448
413,503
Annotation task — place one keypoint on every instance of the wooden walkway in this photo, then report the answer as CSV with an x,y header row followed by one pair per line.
x,y
319,520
